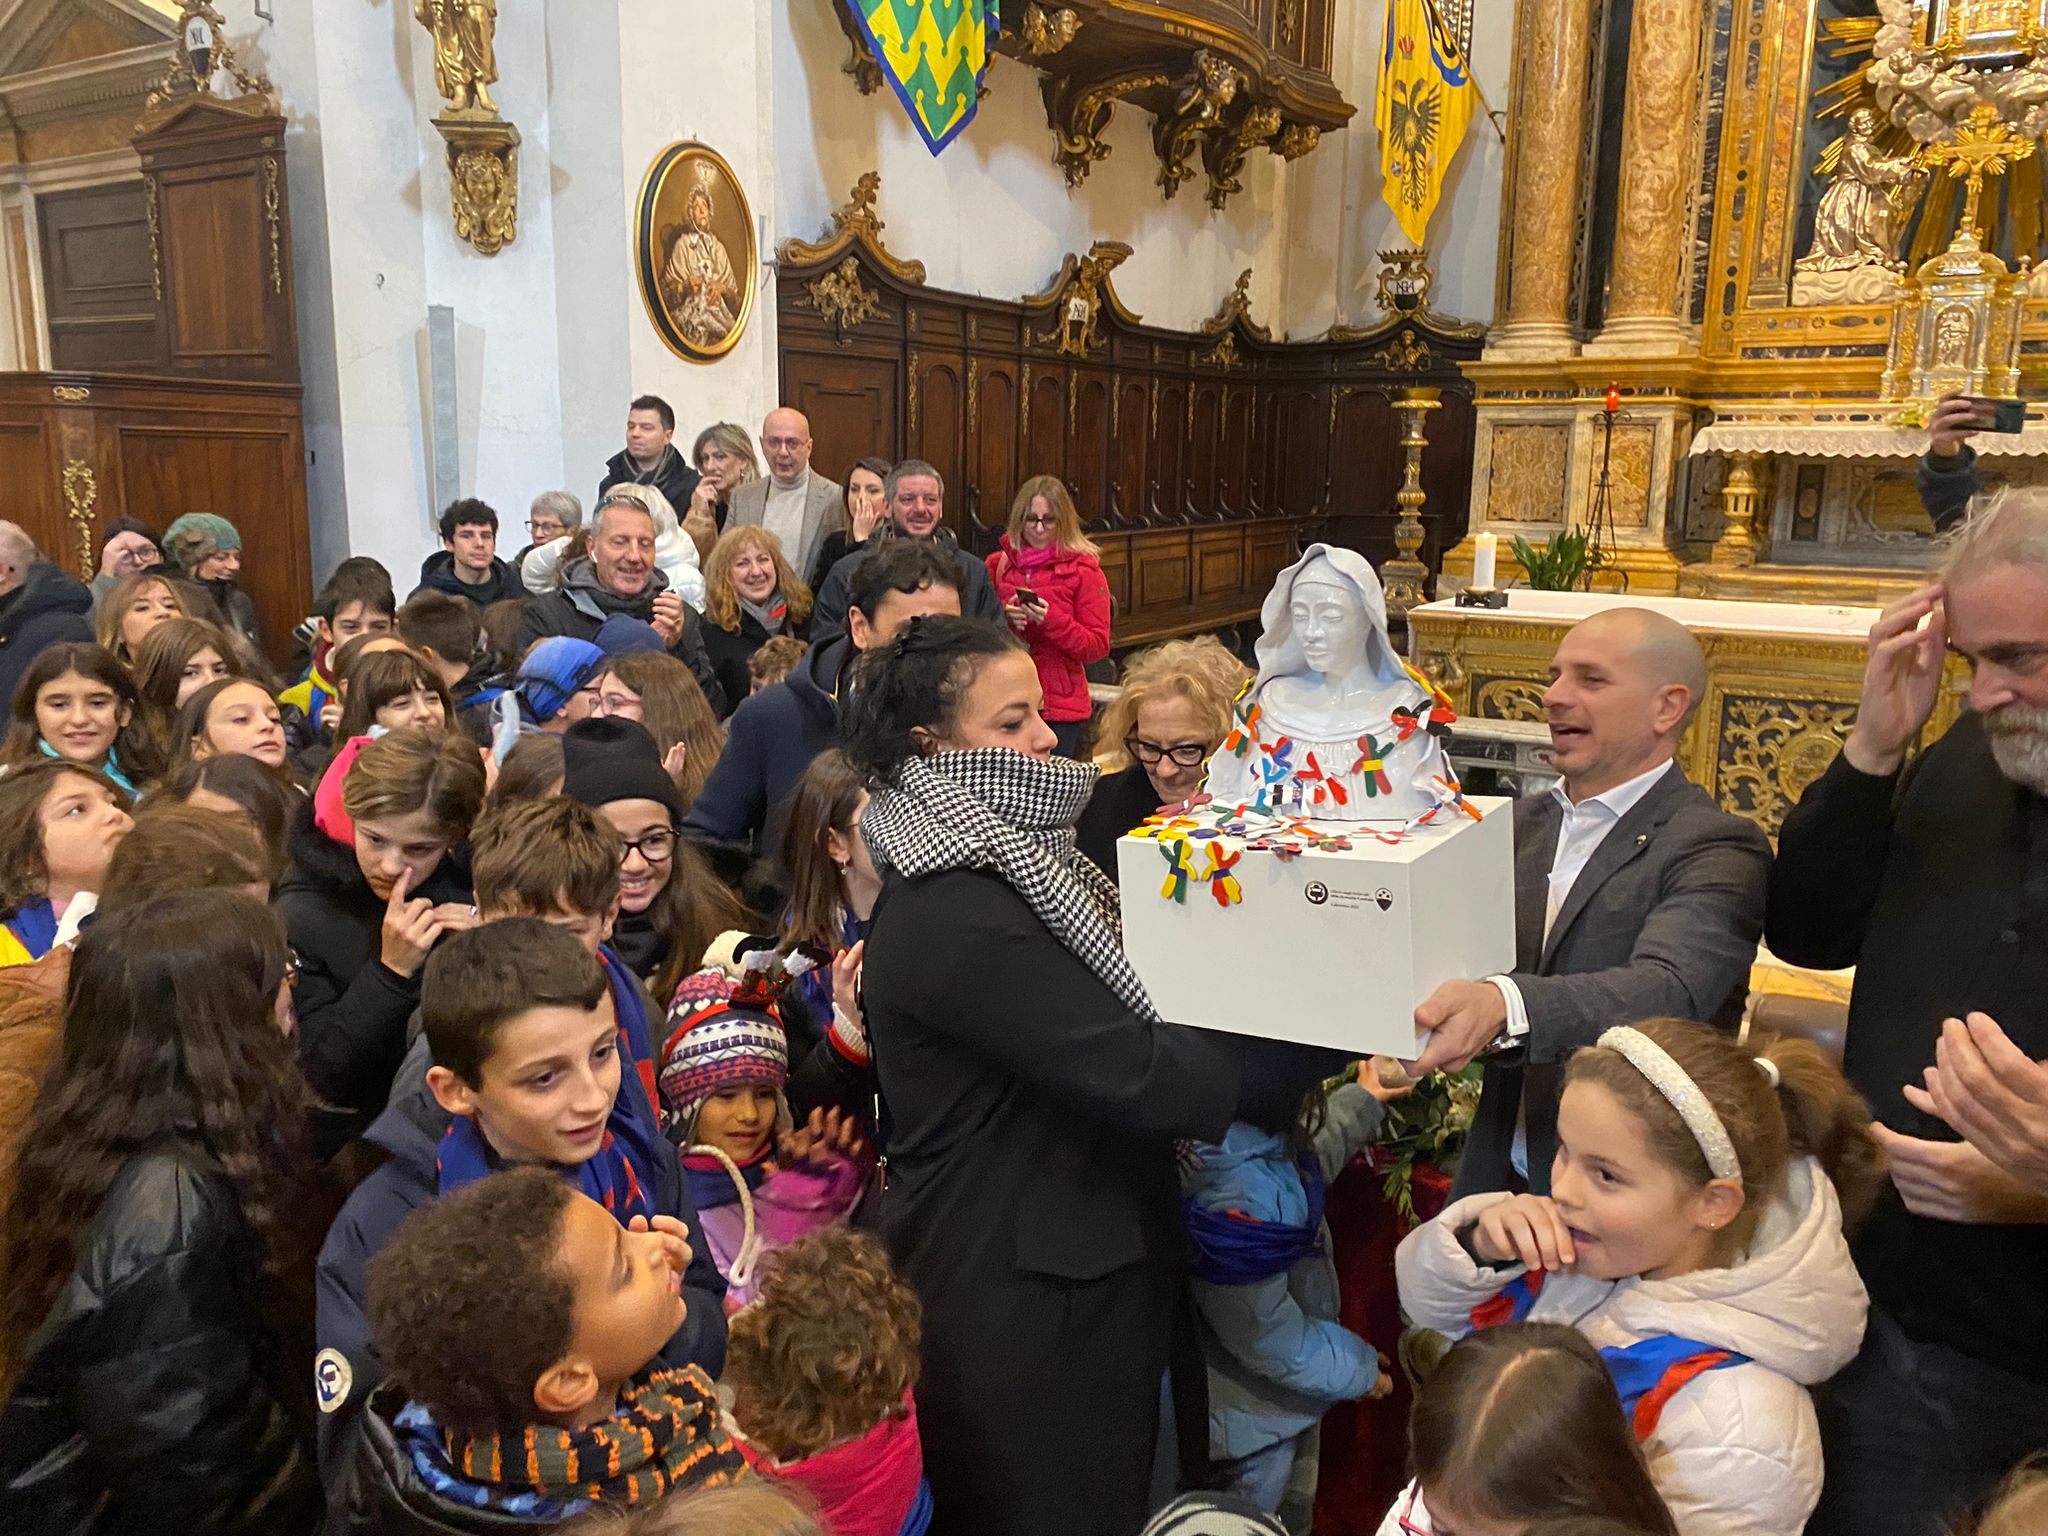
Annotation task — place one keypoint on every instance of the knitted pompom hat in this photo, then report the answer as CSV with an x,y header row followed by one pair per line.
x,y
714,1044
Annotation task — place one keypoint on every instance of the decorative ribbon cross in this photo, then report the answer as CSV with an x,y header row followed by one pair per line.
x,y
1222,883
1175,852
1327,786
1244,733
1372,766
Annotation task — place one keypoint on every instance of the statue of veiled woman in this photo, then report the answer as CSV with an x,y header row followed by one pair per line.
x,y
1335,727
465,50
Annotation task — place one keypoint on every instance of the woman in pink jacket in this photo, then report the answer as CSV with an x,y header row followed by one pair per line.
x,y
1054,595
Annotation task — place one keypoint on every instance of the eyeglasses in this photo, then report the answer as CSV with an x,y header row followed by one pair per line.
x,y
544,528
292,967
1186,754
1041,522
656,847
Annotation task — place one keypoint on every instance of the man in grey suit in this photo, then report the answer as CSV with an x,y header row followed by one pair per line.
x,y
1636,896
794,504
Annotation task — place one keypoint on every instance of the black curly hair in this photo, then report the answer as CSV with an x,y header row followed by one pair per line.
x,y
170,1033
468,1303
914,685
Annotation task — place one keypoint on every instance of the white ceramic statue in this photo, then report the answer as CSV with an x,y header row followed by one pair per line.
x,y
1335,727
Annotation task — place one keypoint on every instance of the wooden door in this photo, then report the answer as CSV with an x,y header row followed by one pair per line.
x,y
1045,420
1131,427
1298,445
1205,445
99,281
1168,466
851,402
1235,492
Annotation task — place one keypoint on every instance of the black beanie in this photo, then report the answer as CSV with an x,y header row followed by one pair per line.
x,y
611,759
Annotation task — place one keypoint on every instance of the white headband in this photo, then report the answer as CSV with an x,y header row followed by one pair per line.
x,y
1677,1086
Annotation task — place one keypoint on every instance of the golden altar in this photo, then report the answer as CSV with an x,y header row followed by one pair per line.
x,y
1782,681
1723,238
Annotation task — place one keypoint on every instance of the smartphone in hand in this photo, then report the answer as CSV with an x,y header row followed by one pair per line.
x,y
2002,415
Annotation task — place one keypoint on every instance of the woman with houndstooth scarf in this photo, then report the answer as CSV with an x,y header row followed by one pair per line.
x,y
1031,1097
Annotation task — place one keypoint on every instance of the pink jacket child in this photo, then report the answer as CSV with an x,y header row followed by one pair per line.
x,y
758,1184
1075,629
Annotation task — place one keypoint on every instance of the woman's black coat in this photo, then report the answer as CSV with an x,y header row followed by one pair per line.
x,y
148,1400
1033,1202
352,1011
731,649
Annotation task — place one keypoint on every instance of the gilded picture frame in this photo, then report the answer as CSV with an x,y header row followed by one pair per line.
x,y
695,250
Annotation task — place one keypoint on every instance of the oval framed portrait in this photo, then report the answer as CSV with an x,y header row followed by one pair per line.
x,y
695,250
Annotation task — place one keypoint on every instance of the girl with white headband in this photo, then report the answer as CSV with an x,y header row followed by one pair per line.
x,y
1694,1235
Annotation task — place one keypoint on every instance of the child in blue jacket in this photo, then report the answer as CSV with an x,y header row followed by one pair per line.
x,y
1265,1289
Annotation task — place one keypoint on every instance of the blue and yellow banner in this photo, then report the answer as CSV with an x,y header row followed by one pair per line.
x,y
933,53
1426,99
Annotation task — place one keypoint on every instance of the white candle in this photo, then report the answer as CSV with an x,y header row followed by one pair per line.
x,y
1483,549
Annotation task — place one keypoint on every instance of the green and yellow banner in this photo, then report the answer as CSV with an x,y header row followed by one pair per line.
x,y
933,53
1426,98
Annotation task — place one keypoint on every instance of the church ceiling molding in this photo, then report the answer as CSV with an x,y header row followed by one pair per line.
x,y
62,60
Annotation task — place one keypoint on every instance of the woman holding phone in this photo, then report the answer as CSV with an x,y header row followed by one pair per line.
x,y
1054,594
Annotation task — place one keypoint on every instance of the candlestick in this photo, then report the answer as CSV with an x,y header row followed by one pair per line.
x,y
1613,397
1484,549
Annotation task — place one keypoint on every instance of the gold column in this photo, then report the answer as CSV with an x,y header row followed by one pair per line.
x,y
1646,303
1547,117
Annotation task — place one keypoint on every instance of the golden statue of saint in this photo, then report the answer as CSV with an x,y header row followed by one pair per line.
x,y
1864,210
465,50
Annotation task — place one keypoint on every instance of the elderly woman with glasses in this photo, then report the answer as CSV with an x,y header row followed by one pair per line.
x,y
1172,713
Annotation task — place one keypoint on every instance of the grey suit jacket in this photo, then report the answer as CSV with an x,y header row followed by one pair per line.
x,y
824,512
1662,923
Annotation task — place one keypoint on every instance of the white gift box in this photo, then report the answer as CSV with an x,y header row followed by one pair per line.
x,y
1331,947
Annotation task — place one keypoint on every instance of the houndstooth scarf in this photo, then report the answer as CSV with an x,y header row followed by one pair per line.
x,y
999,810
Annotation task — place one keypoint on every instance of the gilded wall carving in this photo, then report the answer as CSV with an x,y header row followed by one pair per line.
x,y
1772,749
1629,474
1526,483
1507,698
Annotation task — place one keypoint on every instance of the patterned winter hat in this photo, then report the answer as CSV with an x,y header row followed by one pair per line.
x,y
197,537
715,1043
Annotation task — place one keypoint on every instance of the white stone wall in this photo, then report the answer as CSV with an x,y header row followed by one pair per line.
x,y
551,335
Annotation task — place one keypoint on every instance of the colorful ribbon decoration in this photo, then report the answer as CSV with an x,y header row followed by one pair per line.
x,y
1175,852
1222,883
1244,732
1327,786
1372,766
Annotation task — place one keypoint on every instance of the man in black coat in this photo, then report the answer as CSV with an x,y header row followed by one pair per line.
x,y
917,510
467,564
619,576
39,606
650,456
1932,880
774,734
1636,896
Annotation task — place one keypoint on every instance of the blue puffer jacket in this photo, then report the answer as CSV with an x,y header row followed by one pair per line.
x,y
1277,1356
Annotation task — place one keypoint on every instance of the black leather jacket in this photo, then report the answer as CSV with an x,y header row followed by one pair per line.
x,y
146,1401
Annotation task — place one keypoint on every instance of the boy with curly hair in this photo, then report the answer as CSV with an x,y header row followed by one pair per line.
x,y
522,1326
820,1369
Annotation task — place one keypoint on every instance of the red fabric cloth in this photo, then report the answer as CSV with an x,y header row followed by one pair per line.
x,y
328,814
864,1487
1365,1444
1075,629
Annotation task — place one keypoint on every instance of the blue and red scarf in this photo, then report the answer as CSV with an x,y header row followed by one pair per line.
x,y
621,1176
34,927
1647,1374
1231,1248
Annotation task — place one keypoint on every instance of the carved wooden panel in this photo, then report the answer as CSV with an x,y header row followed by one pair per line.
x,y
1201,461
1045,421
99,288
992,437
109,445
938,424
1129,436
851,403
1088,446
223,242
